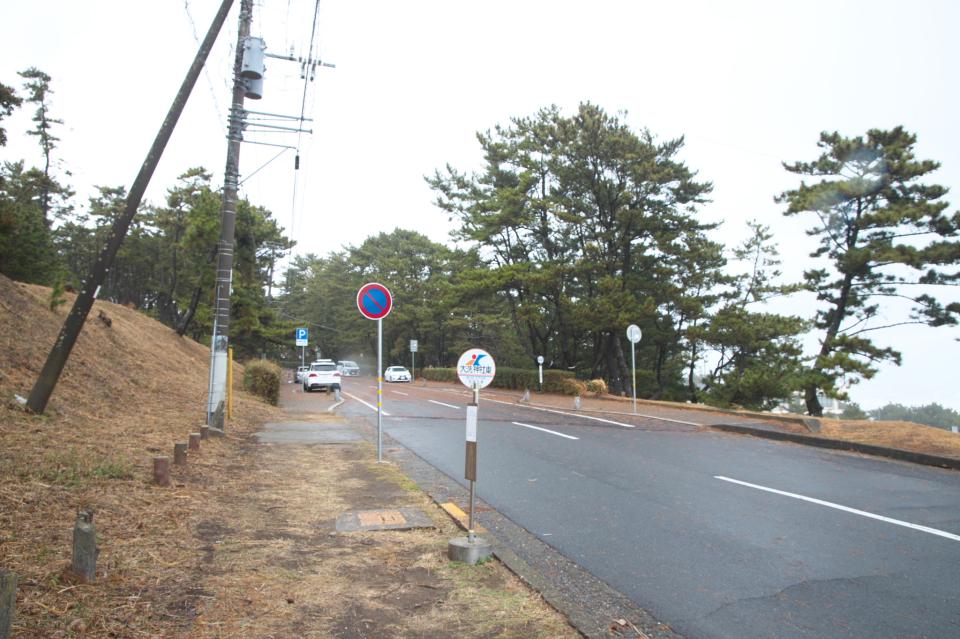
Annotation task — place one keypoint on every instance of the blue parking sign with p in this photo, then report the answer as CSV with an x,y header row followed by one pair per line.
x,y
301,337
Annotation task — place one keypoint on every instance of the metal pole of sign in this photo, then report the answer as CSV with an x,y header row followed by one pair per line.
x,y
471,461
633,366
379,390
413,366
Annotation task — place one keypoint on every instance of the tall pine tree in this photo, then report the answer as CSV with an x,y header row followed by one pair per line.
x,y
886,237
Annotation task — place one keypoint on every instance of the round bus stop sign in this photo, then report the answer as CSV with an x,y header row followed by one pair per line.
x,y
374,301
476,368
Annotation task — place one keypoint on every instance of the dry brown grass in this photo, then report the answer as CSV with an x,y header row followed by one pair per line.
x,y
905,435
240,544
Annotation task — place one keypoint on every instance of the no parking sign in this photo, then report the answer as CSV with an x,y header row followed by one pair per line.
x,y
374,301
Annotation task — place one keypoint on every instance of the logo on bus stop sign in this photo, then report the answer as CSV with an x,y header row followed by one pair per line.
x,y
476,368
374,301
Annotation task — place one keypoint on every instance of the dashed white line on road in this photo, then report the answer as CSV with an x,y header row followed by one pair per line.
x,y
370,406
846,509
442,404
330,410
560,412
400,393
546,430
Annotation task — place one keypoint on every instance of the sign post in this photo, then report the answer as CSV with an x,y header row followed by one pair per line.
x,y
413,360
301,337
375,302
476,369
540,367
634,334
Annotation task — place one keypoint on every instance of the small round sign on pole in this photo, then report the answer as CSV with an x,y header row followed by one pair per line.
x,y
476,369
634,335
375,302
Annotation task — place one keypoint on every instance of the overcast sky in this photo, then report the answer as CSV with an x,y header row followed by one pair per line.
x,y
749,85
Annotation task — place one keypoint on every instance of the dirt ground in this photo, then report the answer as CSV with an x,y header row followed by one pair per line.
x,y
243,543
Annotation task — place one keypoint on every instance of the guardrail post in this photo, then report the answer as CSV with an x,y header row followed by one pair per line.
x,y
8,602
85,547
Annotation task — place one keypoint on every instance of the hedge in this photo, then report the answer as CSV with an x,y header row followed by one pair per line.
x,y
554,381
262,378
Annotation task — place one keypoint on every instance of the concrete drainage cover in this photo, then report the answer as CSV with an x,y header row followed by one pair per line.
x,y
306,433
386,519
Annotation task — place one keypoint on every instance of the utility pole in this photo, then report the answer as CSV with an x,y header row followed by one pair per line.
x,y
228,215
57,359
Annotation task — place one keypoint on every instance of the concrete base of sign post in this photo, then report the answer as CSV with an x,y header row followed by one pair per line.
x,y
469,552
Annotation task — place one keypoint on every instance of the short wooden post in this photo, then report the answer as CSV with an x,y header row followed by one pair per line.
x,y
179,454
85,546
161,471
194,441
8,602
204,432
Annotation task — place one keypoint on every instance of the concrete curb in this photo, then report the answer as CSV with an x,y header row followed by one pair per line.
x,y
837,444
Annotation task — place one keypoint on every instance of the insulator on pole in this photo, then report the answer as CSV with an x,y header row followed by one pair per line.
x,y
296,163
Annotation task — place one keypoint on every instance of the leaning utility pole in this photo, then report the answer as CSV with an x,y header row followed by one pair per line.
x,y
228,216
57,359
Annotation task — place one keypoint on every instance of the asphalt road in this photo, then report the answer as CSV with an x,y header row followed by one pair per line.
x,y
718,535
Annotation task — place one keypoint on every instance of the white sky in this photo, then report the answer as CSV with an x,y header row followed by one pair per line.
x,y
750,84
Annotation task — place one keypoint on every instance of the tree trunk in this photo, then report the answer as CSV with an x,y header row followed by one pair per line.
x,y
613,368
691,383
188,316
813,403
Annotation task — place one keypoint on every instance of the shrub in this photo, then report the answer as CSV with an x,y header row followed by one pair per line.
x,y
597,386
439,374
572,386
262,378
509,378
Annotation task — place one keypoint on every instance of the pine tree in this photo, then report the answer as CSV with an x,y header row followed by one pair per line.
x,y
885,235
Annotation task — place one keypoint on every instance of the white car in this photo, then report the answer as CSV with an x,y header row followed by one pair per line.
x,y
348,368
300,371
396,374
323,374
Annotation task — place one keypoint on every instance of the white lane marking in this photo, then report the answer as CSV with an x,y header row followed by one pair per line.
x,y
560,412
330,410
442,404
370,406
400,393
846,509
552,432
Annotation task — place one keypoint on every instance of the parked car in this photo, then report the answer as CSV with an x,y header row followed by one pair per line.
x,y
323,374
396,374
348,368
300,371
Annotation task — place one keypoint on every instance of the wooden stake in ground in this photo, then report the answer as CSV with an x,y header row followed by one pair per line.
x,y
85,547
8,601
161,471
179,454
195,441
204,432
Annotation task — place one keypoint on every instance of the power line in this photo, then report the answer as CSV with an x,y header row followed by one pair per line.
x,y
206,69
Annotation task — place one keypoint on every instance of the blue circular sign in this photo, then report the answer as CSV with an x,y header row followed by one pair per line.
x,y
374,301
